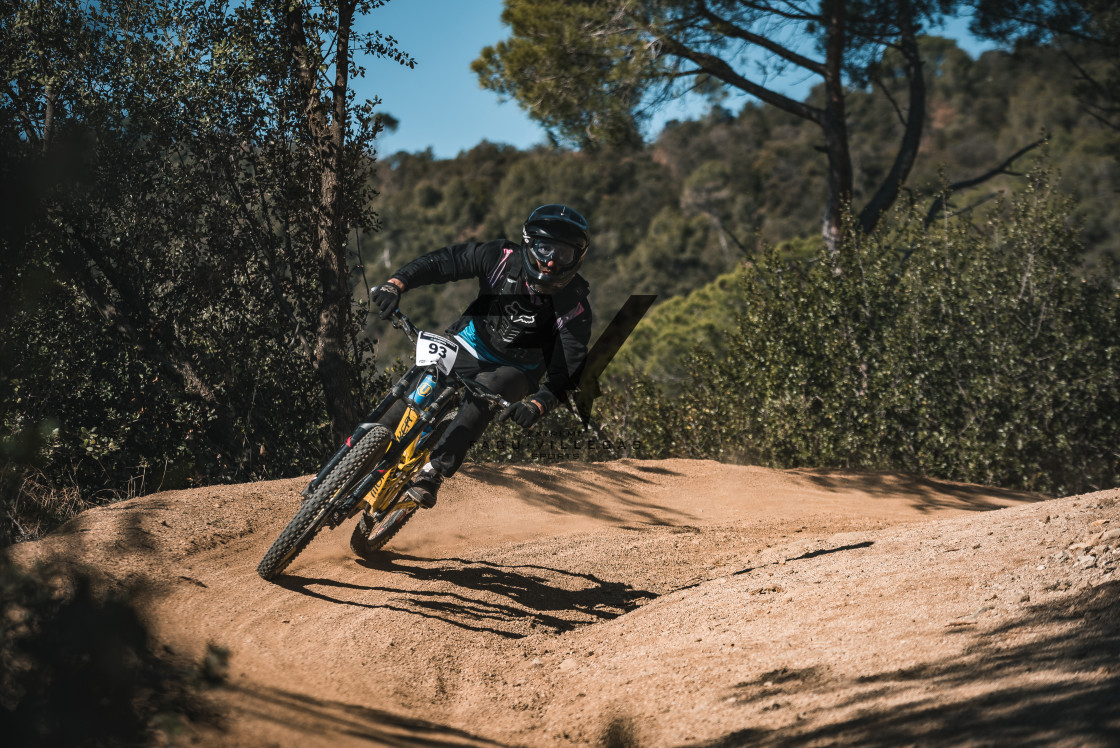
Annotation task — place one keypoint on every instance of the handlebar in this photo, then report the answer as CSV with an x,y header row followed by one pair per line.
x,y
479,390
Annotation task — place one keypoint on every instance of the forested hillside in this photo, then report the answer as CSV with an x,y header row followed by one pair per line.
x,y
894,363
707,195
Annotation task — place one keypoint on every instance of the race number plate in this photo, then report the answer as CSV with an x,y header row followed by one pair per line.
x,y
433,349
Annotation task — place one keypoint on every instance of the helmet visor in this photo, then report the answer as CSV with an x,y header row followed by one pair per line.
x,y
545,251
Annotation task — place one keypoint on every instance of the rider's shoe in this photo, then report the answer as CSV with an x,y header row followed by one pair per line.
x,y
424,487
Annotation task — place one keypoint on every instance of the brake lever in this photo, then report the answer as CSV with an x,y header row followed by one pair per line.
x,y
401,322
475,389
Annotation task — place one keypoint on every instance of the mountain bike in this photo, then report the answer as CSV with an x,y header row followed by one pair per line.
x,y
370,471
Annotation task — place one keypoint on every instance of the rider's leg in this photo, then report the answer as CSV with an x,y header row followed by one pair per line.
x,y
468,424
425,486
475,415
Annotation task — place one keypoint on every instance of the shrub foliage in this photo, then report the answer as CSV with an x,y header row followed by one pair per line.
x,y
979,353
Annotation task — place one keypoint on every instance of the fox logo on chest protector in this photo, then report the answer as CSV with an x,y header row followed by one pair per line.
x,y
519,314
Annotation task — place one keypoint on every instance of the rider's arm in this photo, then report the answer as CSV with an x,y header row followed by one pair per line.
x,y
569,353
451,263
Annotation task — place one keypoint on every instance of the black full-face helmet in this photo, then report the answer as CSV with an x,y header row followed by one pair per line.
x,y
555,241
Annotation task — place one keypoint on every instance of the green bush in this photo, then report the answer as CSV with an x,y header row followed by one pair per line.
x,y
980,353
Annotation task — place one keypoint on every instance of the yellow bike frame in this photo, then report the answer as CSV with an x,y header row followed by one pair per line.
x,y
395,478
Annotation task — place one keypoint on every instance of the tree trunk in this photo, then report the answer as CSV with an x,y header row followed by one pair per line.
x,y
328,137
835,128
888,191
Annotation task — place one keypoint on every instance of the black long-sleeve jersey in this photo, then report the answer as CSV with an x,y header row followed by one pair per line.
x,y
512,322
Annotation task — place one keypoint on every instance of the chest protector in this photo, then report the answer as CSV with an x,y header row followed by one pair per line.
x,y
514,321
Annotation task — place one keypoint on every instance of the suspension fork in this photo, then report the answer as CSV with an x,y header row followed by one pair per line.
x,y
403,386
375,481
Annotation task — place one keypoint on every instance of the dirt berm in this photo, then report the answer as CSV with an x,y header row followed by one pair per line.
x,y
639,603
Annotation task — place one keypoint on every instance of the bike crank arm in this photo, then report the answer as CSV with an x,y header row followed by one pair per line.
x,y
401,502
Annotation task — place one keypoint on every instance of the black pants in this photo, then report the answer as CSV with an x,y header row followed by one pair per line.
x,y
474,415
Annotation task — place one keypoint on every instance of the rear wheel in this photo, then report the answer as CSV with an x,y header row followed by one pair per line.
x,y
370,535
317,507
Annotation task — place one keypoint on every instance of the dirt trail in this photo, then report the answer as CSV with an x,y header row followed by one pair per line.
x,y
641,603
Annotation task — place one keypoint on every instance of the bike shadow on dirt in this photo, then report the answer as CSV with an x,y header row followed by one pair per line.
x,y
510,601
1058,685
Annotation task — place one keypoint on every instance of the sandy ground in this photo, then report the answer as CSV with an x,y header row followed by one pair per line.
x,y
640,603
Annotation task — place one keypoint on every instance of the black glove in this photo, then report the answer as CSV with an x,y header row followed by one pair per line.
x,y
524,414
387,299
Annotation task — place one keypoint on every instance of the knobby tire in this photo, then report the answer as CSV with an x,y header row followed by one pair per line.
x,y
315,510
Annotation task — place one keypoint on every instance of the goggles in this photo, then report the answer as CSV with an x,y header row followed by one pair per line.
x,y
545,251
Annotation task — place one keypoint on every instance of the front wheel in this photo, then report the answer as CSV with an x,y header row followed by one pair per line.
x,y
317,507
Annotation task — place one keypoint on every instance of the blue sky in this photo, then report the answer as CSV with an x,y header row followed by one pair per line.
x,y
440,104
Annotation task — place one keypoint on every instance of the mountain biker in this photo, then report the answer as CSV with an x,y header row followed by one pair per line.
x,y
531,320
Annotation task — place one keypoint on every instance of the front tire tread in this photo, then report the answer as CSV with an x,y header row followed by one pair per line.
x,y
315,509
